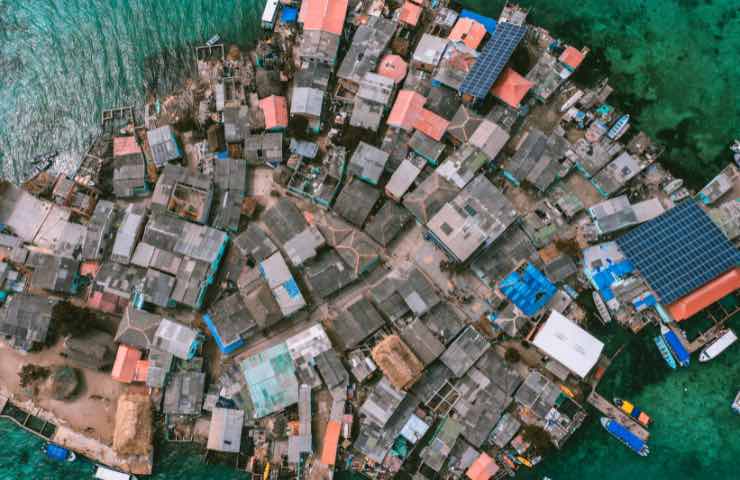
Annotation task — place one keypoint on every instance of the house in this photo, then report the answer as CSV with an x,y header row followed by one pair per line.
x,y
417,291
156,289
230,181
269,15
404,177
308,102
356,201
225,429
429,197
489,138
468,31
275,109
271,381
98,232
483,468
163,145
128,366
230,323
359,252
393,67
506,253
254,243
258,299
129,169
435,454
563,340
381,404
616,174
184,393
455,65
177,339
387,223
429,52
572,58
184,193
236,124
368,44
430,124
300,240
422,341
284,288
93,350
463,125
406,110
368,163
462,166
528,288
268,82
409,14
128,234
357,322
427,148
25,321
372,98
327,274
54,274
477,215
322,18
511,88
137,328
266,148
332,370
467,348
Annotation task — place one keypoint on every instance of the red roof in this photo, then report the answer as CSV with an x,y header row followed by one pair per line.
x,y
710,293
276,112
406,110
106,302
571,57
331,441
141,371
431,124
483,468
470,32
324,15
124,368
410,13
393,67
511,87
125,146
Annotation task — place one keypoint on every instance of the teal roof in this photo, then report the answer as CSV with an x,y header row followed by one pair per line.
x,y
271,379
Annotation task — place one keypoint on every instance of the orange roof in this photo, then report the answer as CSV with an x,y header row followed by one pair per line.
x,y
406,110
511,87
470,32
571,57
125,146
483,468
89,268
124,369
710,293
410,13
324,15
106,302
331,441
141,371
393,67
276,112
431,124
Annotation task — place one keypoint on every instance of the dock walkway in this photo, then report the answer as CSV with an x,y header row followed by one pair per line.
x,y
610,410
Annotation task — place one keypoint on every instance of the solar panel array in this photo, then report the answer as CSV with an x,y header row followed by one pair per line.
x,y
493,59
679,251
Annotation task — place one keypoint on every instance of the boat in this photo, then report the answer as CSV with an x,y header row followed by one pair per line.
x,y
45,159
674,343
736,403
601,308
736,151
524,461
621,433
718,346
630,409
619,128
58,453
672,186
105,473
214,40
665,352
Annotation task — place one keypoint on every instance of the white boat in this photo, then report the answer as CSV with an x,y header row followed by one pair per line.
x,y
601,308
673,186
718,346
105,473
736,403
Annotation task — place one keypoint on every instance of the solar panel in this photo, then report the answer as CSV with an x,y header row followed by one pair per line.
x,y
679,251
493,59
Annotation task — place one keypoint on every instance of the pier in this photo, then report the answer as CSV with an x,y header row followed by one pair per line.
x,y
611,410
31,423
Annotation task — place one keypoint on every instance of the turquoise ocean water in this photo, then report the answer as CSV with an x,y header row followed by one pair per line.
x,y
674,64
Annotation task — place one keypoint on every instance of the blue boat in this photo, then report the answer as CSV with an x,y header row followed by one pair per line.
x,y
676,346
619,128
665,352
621,433
60,454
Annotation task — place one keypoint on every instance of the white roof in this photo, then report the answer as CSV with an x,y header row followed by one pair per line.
x,y
569,344
268,14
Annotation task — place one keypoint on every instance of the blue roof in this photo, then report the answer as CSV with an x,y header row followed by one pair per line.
x,y
289,15
679,251
529,290
619,431
487,22
239,343
681,354
492,60
604,278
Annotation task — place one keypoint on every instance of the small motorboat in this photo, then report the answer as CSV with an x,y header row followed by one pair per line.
x,y
105,473
58,453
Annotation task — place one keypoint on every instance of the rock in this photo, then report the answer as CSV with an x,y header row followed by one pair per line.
x,y
62,383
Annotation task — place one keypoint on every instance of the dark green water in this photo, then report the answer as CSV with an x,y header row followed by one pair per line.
x,y
674,63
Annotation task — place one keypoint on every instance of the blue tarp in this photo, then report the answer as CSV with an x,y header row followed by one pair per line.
x,y
604,278
219,341
487,22
292,288
289,15
55,452
632,440
529,290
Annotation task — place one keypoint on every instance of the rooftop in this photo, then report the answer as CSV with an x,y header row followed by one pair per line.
x,y
569,344
324,15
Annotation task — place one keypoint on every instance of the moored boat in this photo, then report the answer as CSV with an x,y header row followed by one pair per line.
x,y
630,409
665,352
58,453
718,346
621,433
674,343
736,403
105,473
601,308
619,128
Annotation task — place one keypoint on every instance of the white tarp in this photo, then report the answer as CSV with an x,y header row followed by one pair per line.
x,y
569,344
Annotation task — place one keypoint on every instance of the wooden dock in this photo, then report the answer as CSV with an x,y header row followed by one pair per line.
x,y
610,410
713,332
31,423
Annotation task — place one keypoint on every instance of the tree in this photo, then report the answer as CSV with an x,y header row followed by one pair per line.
x,y
30,373
69,319
512,355
538,437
